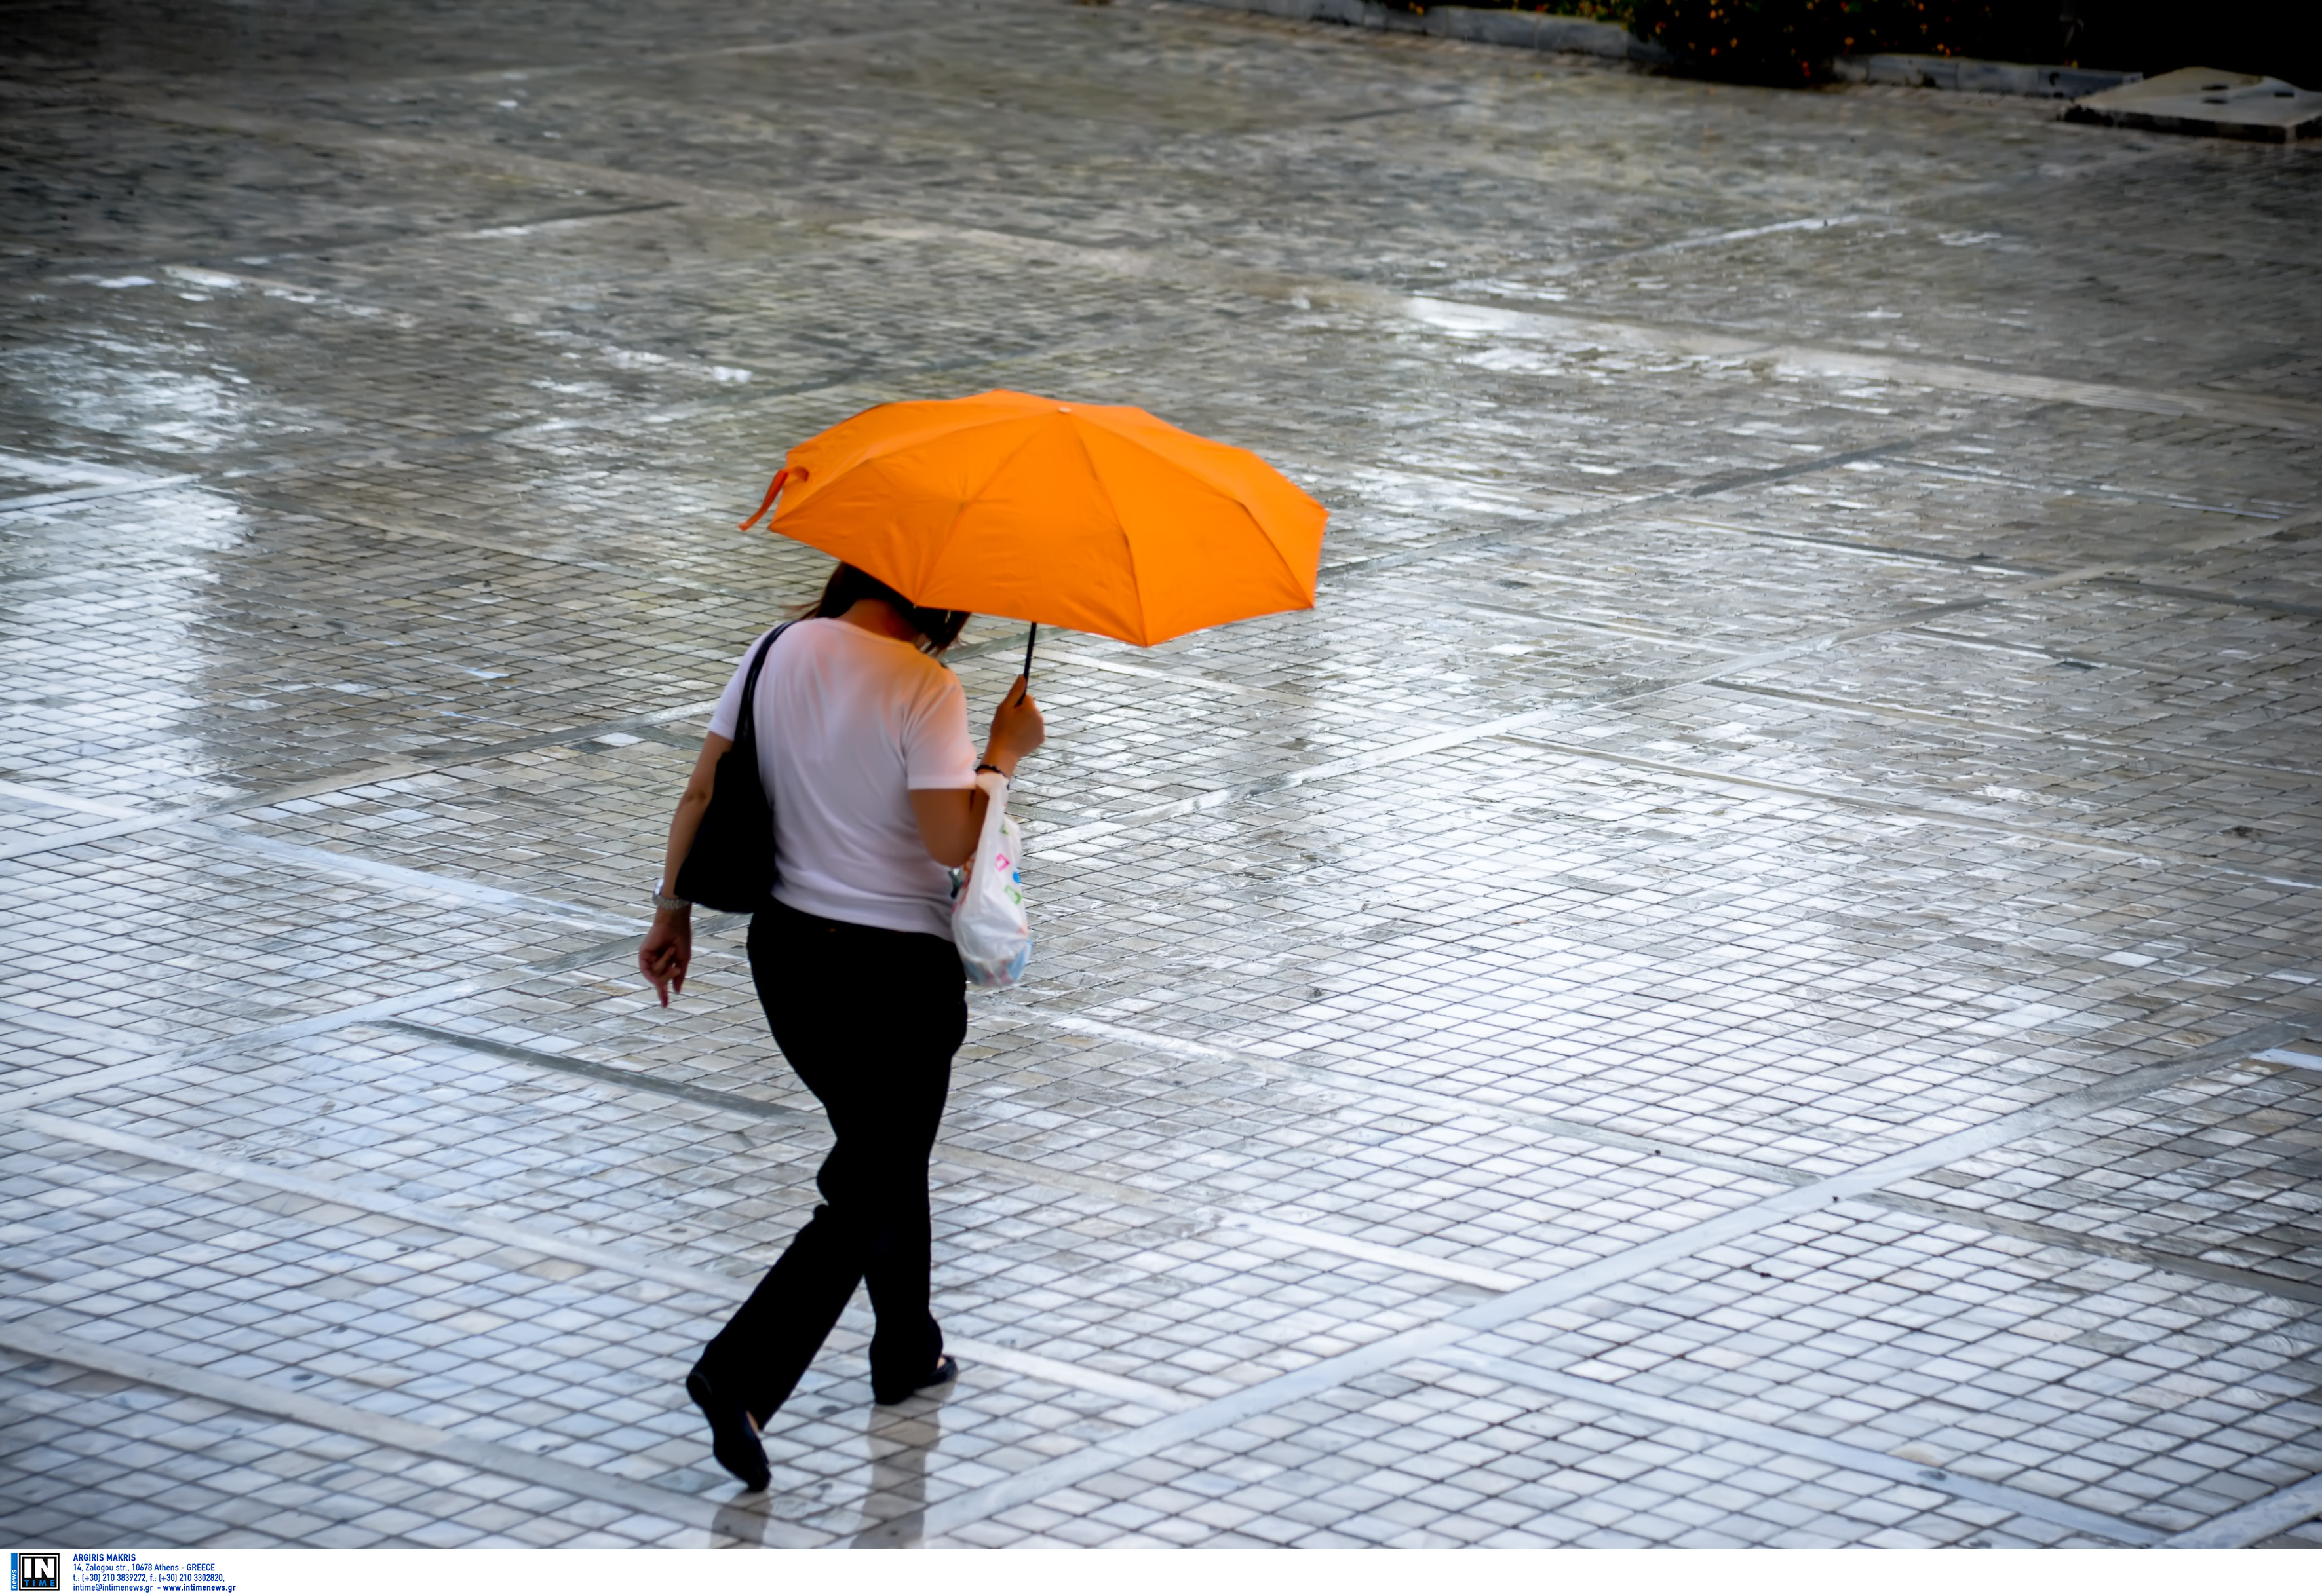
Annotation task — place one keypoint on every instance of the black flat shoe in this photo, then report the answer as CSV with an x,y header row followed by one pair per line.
x,y
946,1370
732,1440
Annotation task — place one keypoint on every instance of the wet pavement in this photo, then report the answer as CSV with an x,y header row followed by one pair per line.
x,y
1750,976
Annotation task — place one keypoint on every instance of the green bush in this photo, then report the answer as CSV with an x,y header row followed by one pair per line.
x,y
1755,41
1991,30
1791,40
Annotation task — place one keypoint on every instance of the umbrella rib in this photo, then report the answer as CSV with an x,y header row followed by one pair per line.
x,y
998,466
1120,524
884,447
1235,499
1296,581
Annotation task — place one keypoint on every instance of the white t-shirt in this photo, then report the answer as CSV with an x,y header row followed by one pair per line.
x,y
850,723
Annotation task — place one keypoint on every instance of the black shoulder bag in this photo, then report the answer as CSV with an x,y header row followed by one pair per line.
x,y
731,864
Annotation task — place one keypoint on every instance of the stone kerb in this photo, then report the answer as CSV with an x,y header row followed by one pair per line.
x,y
1990,78
1525,29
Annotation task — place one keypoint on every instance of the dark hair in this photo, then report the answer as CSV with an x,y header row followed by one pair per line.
x,y
938,628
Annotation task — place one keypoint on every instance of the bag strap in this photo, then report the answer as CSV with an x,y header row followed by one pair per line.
x,y
746,723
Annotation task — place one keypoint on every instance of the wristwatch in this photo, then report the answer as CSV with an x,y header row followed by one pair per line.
x,y
662,901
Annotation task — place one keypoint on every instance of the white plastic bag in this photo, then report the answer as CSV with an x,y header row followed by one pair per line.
x,y
987,918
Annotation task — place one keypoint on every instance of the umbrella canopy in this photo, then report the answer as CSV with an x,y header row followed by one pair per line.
x,y
1098,517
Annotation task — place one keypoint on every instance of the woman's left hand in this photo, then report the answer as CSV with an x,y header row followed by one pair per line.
x,y
666,952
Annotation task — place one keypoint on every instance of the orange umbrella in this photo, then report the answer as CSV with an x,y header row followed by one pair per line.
x,y
1099,518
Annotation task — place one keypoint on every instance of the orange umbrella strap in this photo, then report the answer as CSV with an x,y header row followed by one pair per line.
x,y
773,491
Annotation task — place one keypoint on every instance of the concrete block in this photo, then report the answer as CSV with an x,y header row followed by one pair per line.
x,y
2202,100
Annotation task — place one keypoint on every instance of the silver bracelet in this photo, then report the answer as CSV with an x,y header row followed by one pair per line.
x,y
667,904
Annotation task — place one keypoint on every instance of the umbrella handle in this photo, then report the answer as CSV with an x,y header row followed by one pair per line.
x,y
1031,638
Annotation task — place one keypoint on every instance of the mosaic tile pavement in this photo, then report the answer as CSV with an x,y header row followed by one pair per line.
x,y
1748,977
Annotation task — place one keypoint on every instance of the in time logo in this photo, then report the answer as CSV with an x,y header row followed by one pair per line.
x,y
36,1571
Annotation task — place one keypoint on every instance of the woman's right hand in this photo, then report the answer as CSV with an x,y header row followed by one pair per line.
x,y
667,951
1016,728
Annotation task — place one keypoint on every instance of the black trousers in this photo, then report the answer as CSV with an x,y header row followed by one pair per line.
x,y
869,1019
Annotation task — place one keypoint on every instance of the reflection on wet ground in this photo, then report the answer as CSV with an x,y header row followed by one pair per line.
x,y
895,1508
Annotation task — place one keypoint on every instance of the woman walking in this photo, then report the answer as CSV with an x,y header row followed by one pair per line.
x,y
864,748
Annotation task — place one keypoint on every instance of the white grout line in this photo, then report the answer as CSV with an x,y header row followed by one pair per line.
x,y
1454,317
1920,812
1209,1214
1883,709
72,1086
424,1440
464,1222
1454,1108
1072,1376
1833,360
426,883
135,820
1307,1236
1430,743
33,501
466,539
1702,342
1445,1104
1329,1373
456,1221
95,833
241,1042
2269,1515
71,802
1213,1212
2098,1247
1590,703
1951,1481
1219,798
2093,842
1187,1417
386,1204
77,1029
1185,1414
1710,241
158,1056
